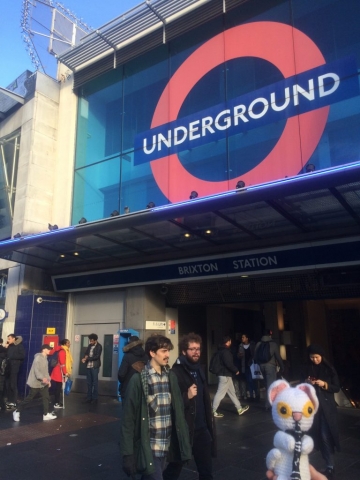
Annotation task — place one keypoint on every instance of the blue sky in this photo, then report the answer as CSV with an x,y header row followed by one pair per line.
x,y
14,58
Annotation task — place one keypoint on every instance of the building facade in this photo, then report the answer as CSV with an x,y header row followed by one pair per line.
x,y
201,160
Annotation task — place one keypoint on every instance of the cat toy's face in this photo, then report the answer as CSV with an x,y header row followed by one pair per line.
x,y
293,405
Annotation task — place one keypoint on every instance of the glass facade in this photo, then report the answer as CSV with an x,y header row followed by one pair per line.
x,y
9,159
255,95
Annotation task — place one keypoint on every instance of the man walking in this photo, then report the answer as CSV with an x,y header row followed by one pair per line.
x,y
267,356
153,425
16,355
226,385
93,363
39,383
197,404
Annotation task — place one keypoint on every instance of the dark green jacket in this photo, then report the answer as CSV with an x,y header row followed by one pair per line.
x,y
135,432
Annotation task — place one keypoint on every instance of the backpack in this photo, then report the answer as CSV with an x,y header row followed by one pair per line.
x,y
263,353
215,364
53,359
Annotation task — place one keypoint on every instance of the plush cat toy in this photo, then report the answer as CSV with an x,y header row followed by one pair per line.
x,y
293,411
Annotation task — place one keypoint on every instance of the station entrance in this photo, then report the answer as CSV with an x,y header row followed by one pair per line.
x,y
295,313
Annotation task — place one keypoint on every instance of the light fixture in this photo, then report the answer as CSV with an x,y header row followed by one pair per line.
x,y
240,184
76,254
52,227
208,231
17,235
193,195
126,210
114,213
164,290
310,167
62,256
187,235
150,205
82,220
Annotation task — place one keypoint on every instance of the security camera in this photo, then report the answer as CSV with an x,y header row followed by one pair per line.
x,y
164,290
39,300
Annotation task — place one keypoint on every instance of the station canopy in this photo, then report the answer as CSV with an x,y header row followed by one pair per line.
x,y
322,205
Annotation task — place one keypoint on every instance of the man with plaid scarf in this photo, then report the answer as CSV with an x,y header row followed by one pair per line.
x,y
153,425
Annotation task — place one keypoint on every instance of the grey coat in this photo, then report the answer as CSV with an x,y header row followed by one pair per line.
x,y
39,371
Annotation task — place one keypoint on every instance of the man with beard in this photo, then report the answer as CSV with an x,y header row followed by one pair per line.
x,y
198,411
153,425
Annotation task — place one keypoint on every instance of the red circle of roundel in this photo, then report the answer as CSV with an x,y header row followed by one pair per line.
x,y
292,52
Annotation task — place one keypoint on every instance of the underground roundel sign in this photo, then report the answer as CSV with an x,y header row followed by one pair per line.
x,y
302,98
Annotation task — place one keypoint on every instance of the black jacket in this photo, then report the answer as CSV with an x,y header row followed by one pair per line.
x,y
326,400
185,380
133,353
3,354
96,355
228,368
16,352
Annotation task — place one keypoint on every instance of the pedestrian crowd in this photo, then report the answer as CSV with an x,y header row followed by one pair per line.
x,y
168,416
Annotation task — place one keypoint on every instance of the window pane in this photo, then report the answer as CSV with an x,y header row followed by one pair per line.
x,y
96,190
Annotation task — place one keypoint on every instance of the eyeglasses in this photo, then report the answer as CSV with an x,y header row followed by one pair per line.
x,y
194,349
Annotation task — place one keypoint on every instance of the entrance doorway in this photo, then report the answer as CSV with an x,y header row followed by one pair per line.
x,y
109,358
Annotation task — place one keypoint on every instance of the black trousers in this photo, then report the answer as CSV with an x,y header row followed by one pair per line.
x,y
11,382
202,455
57,390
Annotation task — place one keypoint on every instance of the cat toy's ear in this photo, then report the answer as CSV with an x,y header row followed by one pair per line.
x,y
275,388
310,392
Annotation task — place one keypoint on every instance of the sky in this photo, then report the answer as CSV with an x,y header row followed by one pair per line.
x,y
14,58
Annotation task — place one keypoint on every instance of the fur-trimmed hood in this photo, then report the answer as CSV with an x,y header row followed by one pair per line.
x,y
131,345
18,340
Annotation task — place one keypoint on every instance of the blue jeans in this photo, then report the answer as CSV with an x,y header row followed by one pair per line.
x,y
92,377
250,382
269,373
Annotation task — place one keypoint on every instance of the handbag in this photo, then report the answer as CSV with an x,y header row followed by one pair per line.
x,y
256,372
68,385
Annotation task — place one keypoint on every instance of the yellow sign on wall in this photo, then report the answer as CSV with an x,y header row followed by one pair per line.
x,y
50,331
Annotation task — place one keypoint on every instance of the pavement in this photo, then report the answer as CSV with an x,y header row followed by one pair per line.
x,y
82,443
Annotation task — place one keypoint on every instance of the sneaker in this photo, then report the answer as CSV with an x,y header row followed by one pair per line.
x,y
10,406
217,414
16,416
58,405
243,409
49,416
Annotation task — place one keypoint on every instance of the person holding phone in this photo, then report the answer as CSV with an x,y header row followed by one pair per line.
x,y
322,375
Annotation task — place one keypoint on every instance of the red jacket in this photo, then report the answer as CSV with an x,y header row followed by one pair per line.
x,y
60,369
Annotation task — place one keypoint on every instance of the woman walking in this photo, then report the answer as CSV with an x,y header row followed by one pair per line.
x,y
322,375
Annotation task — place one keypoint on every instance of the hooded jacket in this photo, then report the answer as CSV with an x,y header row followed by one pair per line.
x,y
135,431
275,358
133,360
39,370
16,351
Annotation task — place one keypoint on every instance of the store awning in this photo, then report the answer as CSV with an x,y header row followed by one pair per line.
x,y
310,207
